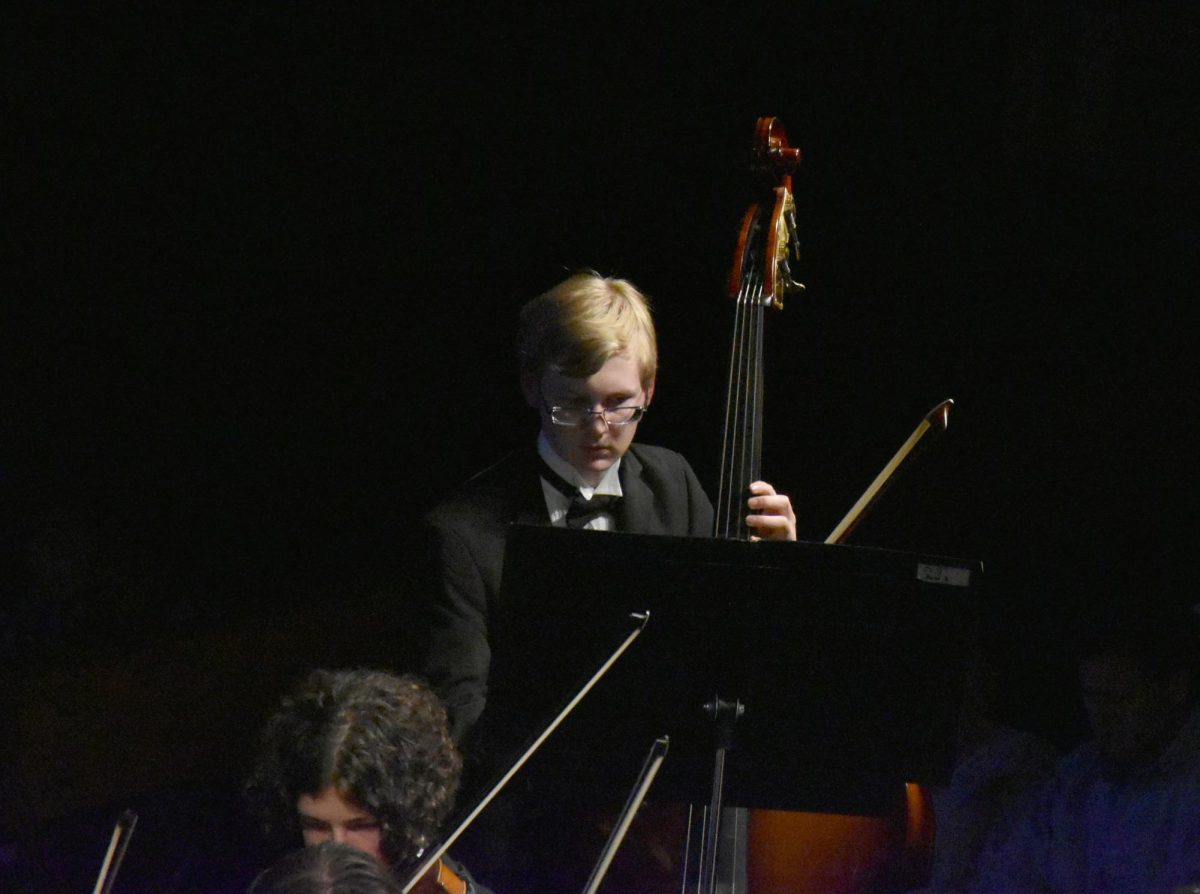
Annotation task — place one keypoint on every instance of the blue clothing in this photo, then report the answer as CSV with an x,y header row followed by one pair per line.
x,y
991,789
1090,833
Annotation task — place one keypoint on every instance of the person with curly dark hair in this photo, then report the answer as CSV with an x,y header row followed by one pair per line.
x,y
358,757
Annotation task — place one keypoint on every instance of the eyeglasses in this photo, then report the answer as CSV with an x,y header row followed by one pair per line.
x,y
576,416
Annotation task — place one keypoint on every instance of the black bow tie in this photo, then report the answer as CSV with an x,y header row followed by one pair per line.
x,y
580,510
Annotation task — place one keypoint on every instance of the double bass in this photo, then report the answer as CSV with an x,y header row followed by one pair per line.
x,y
836,854
767,254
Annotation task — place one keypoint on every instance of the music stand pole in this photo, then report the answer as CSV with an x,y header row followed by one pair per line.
x,y
724,714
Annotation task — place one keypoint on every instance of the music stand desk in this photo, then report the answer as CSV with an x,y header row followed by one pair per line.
x,y
848,660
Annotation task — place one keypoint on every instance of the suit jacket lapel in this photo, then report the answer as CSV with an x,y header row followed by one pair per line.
x,y
529,503
636,513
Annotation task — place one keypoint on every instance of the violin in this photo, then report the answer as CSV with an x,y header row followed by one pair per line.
x,y
440,879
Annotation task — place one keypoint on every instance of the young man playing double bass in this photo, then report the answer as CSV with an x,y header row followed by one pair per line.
x,y
588,358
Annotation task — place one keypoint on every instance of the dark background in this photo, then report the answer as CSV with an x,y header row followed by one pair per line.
x,y
263,281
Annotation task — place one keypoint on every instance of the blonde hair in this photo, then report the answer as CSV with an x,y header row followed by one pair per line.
x,y
584,321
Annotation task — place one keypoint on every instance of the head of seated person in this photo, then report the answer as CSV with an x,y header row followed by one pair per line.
x,y
356,757
588,359
1137,661
327,868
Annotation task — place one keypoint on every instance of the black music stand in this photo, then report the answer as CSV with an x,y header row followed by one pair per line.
x,y
848,661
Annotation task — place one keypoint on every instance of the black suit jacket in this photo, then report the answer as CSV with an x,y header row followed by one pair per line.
x,y
461,555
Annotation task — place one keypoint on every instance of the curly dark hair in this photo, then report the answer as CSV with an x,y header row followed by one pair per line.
x,y
327,868
379,740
